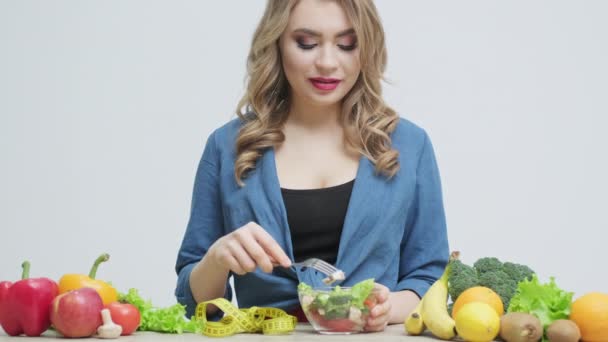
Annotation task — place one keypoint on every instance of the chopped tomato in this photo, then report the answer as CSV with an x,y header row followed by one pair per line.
x,y
338,325
370,302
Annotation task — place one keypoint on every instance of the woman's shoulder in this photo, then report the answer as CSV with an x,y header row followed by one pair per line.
x,y
408,134
227,132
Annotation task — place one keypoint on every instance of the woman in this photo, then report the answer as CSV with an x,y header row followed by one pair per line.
x,y
316,165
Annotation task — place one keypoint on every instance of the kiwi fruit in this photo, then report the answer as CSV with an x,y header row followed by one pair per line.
x,y
520,327
563,330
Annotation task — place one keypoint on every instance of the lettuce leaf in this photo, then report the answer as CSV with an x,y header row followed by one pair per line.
x,y
546,301
338,298
361,291
305,289
165,320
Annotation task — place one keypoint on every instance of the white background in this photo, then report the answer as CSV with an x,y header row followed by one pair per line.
x,y
105,107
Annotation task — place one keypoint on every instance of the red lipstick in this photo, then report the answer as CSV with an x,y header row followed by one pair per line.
x,y
324,83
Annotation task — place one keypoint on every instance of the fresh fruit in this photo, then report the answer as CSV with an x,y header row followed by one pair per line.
x,y
414,325
126,315
434,308
477,322
479,294
563,330
590,313
520,327
77,313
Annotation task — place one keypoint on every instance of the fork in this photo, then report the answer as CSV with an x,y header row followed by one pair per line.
x,y
333,274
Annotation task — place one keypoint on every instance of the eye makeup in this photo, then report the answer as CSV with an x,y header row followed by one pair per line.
x,y
305,42
346,43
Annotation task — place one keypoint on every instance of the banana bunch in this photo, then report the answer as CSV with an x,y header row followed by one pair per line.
x,y
432,311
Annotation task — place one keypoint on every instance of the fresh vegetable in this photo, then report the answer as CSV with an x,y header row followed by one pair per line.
x,y
76,281
76,313
126,315
520,327
501,283
546,301
338,309
25,305
167,320
489,272
517,272
108,329
461,278
4,289
487,264
563,330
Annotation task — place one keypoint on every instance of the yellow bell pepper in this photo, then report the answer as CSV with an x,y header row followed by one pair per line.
x,y
76,281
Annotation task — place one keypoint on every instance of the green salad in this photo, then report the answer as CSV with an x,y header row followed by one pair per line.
x,y
337,309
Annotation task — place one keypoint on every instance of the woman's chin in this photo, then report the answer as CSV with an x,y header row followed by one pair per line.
x,y
324,100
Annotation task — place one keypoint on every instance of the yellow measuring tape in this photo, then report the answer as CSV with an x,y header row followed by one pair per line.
x,y
269,321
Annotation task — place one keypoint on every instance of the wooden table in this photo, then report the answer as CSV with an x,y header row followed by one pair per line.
x,y
303,332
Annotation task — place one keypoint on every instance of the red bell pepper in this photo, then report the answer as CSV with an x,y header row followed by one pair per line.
x,y
25,305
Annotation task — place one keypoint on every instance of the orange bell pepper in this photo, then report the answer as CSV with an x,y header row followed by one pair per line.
x,y
76,281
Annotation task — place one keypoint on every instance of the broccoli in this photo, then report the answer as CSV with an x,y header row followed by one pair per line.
x,y
461,277
501,283
487,264
517,272
489,272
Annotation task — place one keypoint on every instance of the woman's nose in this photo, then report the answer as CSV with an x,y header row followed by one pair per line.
x,y
327,59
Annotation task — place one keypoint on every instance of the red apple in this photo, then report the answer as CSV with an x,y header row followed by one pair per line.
x,y
77,313
125,315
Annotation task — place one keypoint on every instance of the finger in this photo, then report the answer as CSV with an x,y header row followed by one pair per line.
x,y
241,256
380,310
381,292
234,265
271,247
273,261
377,320
376,325
256,252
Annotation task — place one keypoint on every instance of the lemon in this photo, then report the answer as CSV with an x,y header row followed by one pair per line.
x,y
477,322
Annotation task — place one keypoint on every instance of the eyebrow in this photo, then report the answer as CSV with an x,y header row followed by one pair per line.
x,y
317,34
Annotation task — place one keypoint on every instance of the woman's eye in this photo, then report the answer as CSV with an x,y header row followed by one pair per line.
x,y
306,43
348,47
306,46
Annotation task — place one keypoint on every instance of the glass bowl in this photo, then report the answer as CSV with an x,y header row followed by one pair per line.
x,y
335,310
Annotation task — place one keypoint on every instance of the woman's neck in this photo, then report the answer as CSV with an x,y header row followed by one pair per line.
x,y
318,118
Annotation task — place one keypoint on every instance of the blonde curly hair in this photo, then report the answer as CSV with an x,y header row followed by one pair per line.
x,y
263,109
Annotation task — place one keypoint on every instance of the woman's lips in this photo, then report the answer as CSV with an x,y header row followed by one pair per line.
x,y
323,83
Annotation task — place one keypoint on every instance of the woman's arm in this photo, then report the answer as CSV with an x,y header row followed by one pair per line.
x,y
241,251
214,278
402,303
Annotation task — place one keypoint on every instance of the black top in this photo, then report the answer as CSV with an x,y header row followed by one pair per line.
x,y
315,218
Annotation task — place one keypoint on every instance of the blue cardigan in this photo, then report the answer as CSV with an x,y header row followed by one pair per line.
x,y
394,230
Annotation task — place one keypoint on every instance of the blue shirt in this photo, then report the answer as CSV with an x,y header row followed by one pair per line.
x,y
394,230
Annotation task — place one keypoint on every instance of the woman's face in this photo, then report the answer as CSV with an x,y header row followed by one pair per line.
x,y
319,52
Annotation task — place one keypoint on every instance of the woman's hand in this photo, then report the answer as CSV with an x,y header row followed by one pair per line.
x,y
247,248
379,312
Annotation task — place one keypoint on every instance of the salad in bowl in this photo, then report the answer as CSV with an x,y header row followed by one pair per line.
x,y
337,310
